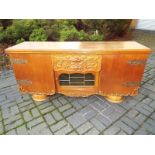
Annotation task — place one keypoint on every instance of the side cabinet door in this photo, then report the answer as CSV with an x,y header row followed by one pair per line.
x,y
34,72
122,74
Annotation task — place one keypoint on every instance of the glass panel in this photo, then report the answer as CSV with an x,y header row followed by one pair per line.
x,y
77,84
64,76
76,75
64,83
89,76
89,83
77,79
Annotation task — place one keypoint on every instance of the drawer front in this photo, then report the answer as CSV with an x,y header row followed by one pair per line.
x,y
77,63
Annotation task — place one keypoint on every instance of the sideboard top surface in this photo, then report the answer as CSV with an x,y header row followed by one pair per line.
x,y
75,47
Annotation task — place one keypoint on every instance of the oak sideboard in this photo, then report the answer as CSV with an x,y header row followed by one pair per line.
x,y
113,69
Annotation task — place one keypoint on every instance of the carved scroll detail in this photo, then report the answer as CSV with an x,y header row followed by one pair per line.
x,y
36,92
77,62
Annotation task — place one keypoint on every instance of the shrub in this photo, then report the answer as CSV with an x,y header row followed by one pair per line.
x,y
53,33
38,35
43,23
73,34
96,37
20,29
116,28
11,31
2,35
5,23
20,40
110,28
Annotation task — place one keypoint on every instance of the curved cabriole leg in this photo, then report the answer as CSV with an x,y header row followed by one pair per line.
x,y
114,99
38,97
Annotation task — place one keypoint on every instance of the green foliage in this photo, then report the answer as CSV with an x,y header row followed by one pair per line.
x,y
15,31
5,23
38,35
2,35
71,34
45,23
20,29
117,28
53,33
111,28
20,40
96,37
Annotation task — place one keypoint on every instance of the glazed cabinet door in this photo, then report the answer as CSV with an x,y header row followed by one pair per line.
x,y
121,74
34,72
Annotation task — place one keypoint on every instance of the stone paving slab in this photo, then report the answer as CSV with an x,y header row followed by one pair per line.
x,y
92,115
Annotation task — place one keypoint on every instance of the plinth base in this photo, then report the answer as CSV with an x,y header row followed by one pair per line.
x,y
114,99
39,98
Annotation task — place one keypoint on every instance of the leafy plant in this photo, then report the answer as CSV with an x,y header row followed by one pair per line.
x,y
72,34
5,23
110,28
96,37
20,40
53,33
11,31
20,29
38,35
2,35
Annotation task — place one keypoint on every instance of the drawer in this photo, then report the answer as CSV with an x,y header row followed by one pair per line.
x,y
77,62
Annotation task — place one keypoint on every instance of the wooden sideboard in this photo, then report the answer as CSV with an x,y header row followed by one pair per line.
x,y
112,69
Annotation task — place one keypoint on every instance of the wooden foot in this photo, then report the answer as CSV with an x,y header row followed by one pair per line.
x,y
39,98
114,99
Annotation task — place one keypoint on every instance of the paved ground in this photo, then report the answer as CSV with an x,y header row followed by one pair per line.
x,y
19,114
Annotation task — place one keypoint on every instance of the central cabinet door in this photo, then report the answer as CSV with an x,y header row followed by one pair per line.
x,y
121,74
34,72
77,74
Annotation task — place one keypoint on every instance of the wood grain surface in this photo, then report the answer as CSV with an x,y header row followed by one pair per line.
x,y
118,66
